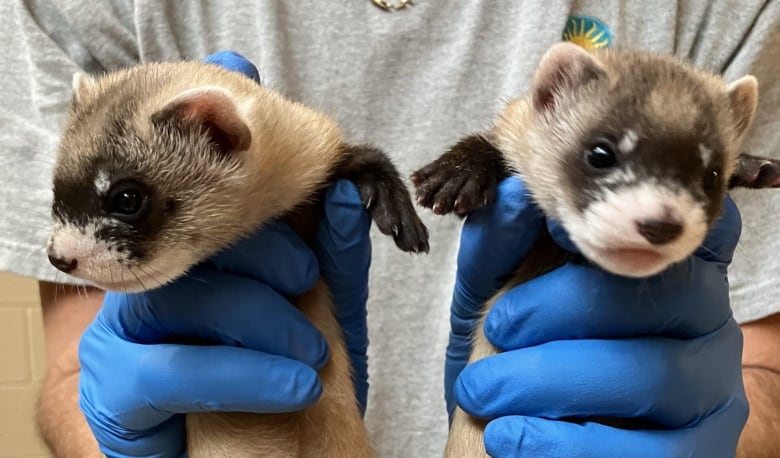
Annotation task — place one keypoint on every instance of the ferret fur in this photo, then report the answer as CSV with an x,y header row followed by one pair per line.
x,y
219,155
665,102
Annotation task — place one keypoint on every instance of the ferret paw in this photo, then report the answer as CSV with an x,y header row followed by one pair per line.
x,y
460,188
755,172
390,206
461,180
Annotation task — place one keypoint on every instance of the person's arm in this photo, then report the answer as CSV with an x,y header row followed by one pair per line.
x,y
761,373
755,296
264,339
45,43
66,313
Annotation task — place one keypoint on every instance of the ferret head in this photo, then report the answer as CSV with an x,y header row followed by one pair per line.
x,y
630,152
156,171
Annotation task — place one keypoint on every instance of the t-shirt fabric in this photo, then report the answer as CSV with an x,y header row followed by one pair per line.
x,y
413,82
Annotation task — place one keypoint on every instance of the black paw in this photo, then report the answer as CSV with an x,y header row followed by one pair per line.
x,y
461,180
755,172
385,196
390,206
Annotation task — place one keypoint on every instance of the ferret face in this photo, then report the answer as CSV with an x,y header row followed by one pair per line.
x,y
122,225
137,201
639,204
632,156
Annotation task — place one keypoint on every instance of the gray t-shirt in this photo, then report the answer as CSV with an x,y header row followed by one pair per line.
x,y
412,82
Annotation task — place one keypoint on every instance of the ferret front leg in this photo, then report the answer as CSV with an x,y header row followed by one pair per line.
x,y
755,172
385,196
463,179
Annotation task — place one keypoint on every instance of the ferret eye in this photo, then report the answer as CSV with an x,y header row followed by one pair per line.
x,y
601,155
128,201
711,180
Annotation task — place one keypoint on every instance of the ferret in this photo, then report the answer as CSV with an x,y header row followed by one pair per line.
x,y
631,152
162,165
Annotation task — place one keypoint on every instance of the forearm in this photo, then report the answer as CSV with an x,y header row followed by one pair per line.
x,y
761,371
60,421
66,313
761,436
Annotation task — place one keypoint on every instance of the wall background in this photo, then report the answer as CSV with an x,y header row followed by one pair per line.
x,y
21,367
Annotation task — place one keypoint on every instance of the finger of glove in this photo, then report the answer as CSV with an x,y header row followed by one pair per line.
x,y
343,249
670,382
150,383
217,308
718,245
275,255
166,440
518,436
234,61
574,301
493,241
458,351
722,239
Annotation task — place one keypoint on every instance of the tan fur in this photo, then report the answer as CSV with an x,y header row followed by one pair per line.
x,y
332,427
292,146
533,144
466,432
293,149
537,146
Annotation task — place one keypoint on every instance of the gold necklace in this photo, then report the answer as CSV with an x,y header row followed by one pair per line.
x,y
394,6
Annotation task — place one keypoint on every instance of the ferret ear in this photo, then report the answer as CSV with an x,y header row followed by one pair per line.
x,y
755,172
214,110
83,86
743,99
564,65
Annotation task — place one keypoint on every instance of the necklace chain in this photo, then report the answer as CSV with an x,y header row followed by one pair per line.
x,y
392,6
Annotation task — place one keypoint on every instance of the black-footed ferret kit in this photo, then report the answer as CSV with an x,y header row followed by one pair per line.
x,y
631,152
163,165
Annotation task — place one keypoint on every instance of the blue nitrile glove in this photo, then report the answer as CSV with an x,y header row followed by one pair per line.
x,y
136,379
581,342
264,355
235,62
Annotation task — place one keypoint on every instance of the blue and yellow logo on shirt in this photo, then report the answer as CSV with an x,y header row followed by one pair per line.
x,y
588,32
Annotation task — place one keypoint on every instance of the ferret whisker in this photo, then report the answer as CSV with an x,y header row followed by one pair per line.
x,y
86,289
57,285
82,298
199,279
38,160
33,211
130,269
150,276
709,251
36,252
124,285
40,157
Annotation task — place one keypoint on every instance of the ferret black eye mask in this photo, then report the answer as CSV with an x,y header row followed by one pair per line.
x,y
634,200
127,201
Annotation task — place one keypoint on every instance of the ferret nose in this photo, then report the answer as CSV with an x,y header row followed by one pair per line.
x,y
659,232
65,265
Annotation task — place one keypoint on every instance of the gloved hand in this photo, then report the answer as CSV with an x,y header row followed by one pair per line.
x,y
137,377
343,249
582,342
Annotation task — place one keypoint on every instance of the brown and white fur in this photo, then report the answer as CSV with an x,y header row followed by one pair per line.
x,y
631,152
163,165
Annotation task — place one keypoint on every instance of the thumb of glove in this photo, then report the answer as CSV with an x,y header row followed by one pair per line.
x,y
493,242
